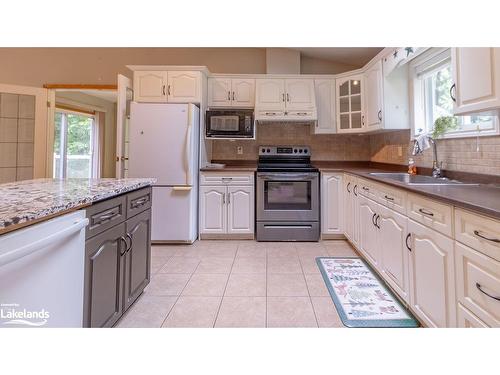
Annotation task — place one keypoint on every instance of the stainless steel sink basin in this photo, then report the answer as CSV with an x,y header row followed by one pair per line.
x,y
419,179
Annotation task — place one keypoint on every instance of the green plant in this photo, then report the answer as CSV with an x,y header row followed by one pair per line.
x,y
444,124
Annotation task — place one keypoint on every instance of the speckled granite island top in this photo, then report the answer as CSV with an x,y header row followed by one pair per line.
x,y
33,200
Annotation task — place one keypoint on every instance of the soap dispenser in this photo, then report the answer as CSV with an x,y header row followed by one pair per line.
x,y
412,168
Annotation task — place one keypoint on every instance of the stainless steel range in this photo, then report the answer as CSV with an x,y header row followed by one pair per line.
x,y
287,195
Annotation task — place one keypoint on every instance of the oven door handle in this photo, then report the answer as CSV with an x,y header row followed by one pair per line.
x,y
287,176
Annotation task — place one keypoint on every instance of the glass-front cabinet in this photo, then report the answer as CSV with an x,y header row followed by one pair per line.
x,y
350,104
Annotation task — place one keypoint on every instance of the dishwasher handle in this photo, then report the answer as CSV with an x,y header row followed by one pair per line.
x,y
26,250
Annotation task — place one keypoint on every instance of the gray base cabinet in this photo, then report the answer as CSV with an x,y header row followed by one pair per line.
x,y
117,257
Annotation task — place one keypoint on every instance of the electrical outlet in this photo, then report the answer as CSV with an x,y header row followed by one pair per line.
x,y
239,150
400,151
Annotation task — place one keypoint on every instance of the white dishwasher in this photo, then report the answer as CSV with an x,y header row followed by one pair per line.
x,y
42,273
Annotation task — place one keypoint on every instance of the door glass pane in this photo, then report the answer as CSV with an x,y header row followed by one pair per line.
x,y
287,195
79,146
355,87
356,103
356,120
58,145
344,104
344,89
344,121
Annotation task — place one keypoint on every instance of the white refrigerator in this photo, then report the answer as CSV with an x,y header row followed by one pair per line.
x,y
164,144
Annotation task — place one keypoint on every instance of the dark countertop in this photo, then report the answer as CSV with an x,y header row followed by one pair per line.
x,y
26,202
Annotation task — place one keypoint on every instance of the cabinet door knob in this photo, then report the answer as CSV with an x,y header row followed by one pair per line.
x,y
347,187
163,89
406,241
287,97
229,95
122,239
129,237
373,219
168,90
379,114
453,89
283,96
233,95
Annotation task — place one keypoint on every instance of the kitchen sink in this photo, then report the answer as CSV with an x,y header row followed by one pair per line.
x,y
410,179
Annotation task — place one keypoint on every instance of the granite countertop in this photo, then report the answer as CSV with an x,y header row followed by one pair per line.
x,y
29,201
233,166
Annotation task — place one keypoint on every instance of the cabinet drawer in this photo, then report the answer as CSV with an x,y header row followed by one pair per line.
x,y
433,214
367,188
228,178
478,284
466,319
138,201
479,232
105,214
395,199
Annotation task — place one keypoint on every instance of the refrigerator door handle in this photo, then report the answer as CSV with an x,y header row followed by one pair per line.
x,y
182,188
188,149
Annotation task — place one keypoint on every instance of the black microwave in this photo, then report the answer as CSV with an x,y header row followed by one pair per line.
x,y
230,123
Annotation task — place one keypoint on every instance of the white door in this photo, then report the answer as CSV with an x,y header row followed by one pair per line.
x,y
26,140
476,74
150,86
332,211
124,97
394,253
219,92
270,94
213,209
243,92
171,215
374,97
432,279
350,104
348,208
325,105
159,139
240,209
299,94
184,87
368,243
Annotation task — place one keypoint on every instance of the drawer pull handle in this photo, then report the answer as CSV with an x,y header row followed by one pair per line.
x,y
388,198
122,239
373,219
477,233
355,191
349,184
425,212
140,202
478,286
376,221
366,189
406,241
129,237
106,217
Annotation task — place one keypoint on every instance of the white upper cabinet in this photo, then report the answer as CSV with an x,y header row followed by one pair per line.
x,y
231,92
350,104
243,92
150,86
476,76
219,92
374,97
332,203
184,87
299,94
270,94
325,104
167,86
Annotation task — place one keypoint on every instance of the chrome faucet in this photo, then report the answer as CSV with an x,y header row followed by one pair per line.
x,y
436,166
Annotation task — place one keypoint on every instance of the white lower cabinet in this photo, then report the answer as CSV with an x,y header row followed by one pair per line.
x,y
351,208
226,208
369,241
432,276
332,205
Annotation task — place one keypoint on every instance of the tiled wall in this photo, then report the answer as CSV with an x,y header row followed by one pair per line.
x,y
323,147
17,125
463,154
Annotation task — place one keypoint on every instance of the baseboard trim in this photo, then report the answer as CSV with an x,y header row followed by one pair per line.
x,y
235,236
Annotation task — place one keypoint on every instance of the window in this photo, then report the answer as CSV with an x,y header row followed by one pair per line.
x,y
432,82
75,151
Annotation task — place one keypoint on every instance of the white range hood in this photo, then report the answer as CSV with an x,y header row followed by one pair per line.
x,y
296,116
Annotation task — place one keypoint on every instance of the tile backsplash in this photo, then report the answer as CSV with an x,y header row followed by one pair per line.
x,y
323,147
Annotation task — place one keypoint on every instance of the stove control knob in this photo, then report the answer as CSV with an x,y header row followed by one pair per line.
x,y
268,150
294,150
300,150
305,151
263,150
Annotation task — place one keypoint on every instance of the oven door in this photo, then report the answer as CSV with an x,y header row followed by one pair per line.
x,y
287,196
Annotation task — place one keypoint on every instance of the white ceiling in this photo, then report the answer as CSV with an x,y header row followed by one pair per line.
x,y
357,56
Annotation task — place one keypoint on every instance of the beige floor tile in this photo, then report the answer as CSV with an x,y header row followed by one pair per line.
x,y
220,251
286,285
249,265
309,264
316,285
246,285
279,245
206,285
283,265
157,262
215,265
252,249
312,250
242,312
290,312
282,252
195,312
167,284
190,251
147,312
180,265
326,313
339,248
164,250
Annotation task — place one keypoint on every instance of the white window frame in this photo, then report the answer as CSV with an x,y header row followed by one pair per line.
x,y
426,64
94,134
